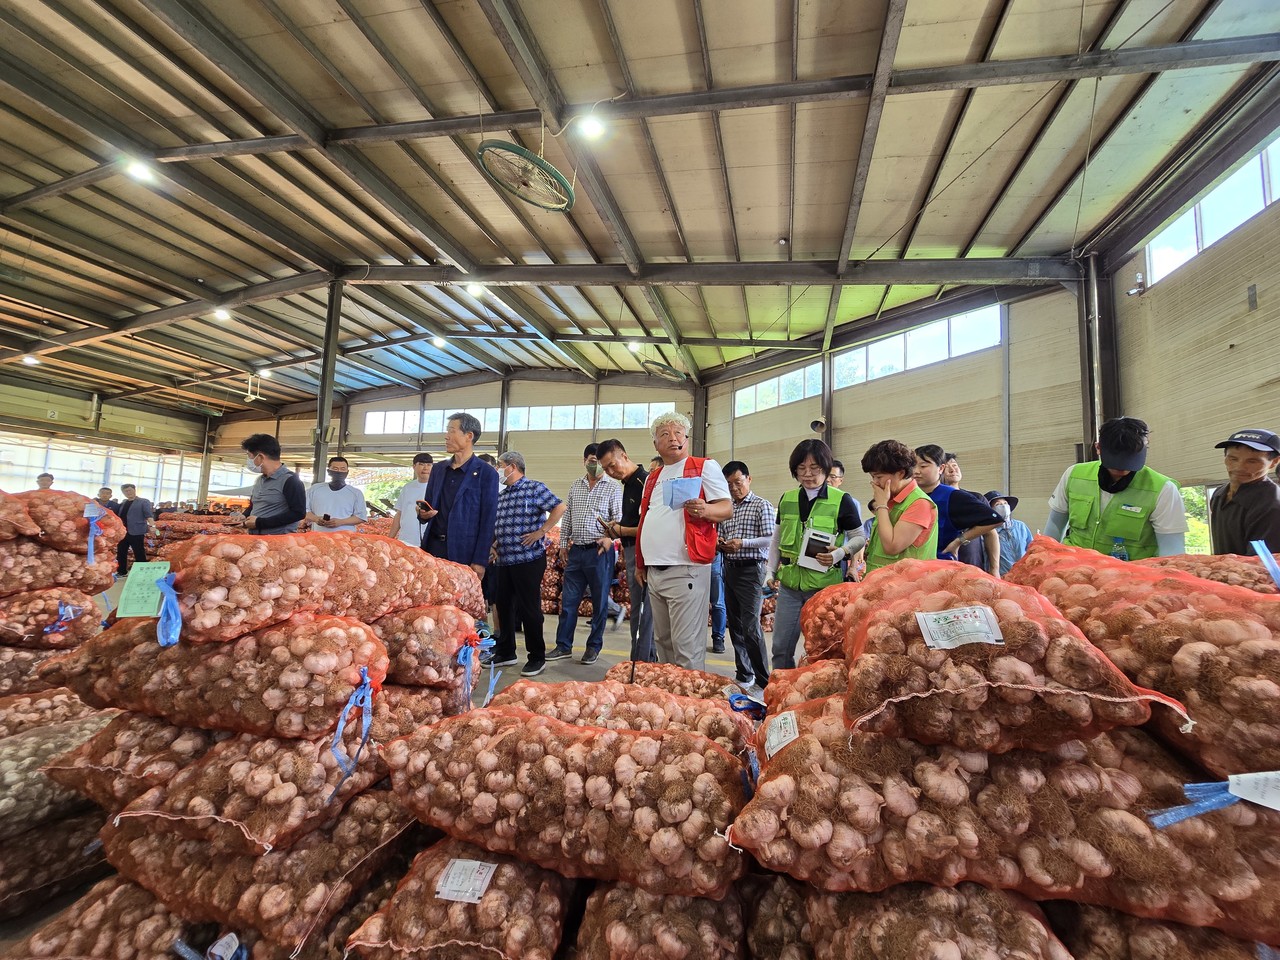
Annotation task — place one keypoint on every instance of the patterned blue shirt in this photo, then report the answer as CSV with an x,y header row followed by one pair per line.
x,y
522,508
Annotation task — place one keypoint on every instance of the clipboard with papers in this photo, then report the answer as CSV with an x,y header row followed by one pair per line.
x,y
677,490
814,543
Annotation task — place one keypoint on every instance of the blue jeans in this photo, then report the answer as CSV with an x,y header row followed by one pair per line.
x,y
719,615
786,626
586,571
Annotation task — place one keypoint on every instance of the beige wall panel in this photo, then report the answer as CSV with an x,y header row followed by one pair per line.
x,y
153,428
764,442
29,407
1195,362
719,436
534,393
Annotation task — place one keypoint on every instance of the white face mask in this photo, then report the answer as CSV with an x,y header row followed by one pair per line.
x,y
251,466
1003,510
504,477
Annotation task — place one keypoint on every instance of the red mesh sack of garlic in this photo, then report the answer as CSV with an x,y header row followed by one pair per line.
x,y
1099,933
628,706
218,519
53,619
423,643
790,688
776,921
23,711
822,620
625,923
1214,647
20,671
458,585
916,921
398,711
290,680
251,795
648,808
49,860
28,798
127,757
15,521
26,565
673,679
230,585
116,920
285,895
926,661
380,526
461,902
1233,570
63,525
866,812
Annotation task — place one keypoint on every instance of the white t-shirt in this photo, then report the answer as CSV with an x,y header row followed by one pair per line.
x,y
411,530
1169,516
345,502
662,537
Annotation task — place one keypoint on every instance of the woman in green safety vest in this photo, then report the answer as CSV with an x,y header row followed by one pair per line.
x,y
811,518
906,519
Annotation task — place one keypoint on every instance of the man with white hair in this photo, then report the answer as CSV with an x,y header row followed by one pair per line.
x,y
676,543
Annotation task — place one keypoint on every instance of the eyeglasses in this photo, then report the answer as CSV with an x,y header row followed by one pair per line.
x,y
809,468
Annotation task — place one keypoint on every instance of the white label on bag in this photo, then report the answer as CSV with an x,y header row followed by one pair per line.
x,y
223,949
782,730
1261,788
946,629
465,881
93,510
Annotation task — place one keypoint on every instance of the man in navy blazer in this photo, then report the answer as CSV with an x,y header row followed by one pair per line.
x,y
463,496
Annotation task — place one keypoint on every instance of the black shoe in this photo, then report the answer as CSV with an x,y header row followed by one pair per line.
x,y
558,654
590,657
532,669
491,660
717,647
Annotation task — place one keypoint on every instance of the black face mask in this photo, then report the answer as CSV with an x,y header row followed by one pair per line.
x,y
1110,484
337,480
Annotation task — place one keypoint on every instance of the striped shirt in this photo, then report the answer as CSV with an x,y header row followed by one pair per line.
x,y
585,504
522,508
752,520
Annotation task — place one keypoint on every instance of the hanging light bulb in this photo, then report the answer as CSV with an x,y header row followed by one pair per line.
x,y
440,342
475,289
591,127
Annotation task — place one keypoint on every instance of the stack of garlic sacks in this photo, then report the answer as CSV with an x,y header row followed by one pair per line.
x,y
1030,768
239,782
47,590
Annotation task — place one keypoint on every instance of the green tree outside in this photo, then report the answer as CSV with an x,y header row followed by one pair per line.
x,y
1196,502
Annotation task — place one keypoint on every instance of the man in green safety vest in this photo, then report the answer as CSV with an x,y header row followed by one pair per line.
x,y
1118,505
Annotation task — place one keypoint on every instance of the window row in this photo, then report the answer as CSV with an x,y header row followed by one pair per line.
x,y
1239,197
581,416
774,392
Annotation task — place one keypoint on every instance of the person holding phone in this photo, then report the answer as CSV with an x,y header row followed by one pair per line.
x,y
405,525
335,506
462,499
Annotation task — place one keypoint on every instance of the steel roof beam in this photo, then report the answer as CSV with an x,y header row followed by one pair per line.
x,y
1033,270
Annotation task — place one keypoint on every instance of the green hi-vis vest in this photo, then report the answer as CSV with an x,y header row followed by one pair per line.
x,y
876,555
822,517
1127,516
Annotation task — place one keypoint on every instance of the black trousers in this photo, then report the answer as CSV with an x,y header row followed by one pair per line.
x,y
743,597
137,542
519,590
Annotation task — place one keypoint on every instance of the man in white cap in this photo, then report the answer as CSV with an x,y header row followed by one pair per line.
x,y
1118,505
1247,506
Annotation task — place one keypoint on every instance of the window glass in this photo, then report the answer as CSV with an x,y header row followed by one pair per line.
x,y
744,402
1232,202
813,380
767,394
610,416
561,418
411,421
849,368
373,422
655,409
791,387
635,415
975,331
432,421
927,344
1172,247
1273,170
517,418
584,417
492,419
394,422
885,357
539,418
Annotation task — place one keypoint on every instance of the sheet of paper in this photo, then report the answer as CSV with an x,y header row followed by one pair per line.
x,y
945,629
141,597
680,489
465,881
783,729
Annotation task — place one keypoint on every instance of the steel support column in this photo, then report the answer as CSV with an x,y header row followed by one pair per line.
x,y
328,363
698,433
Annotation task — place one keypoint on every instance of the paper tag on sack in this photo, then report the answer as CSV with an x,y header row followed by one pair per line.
x,y
141,597
223,949
946,629
465,881
1261,788
93,510
782,730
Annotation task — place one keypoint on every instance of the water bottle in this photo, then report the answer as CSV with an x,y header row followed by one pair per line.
x,y
1117,549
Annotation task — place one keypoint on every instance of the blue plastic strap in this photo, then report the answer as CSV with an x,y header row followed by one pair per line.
x,y
1204,797
180,949
66,613
744,704
361,697
1268,560
170,626
95,531
1268,952
494,677
466,658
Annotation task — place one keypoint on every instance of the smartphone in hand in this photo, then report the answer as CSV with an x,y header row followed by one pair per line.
x,y
424,506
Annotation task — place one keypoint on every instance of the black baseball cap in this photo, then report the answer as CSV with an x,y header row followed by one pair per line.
x,y
994,495
1263,440
1131,460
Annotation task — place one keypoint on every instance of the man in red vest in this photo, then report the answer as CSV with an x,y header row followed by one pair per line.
x,y
676,543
